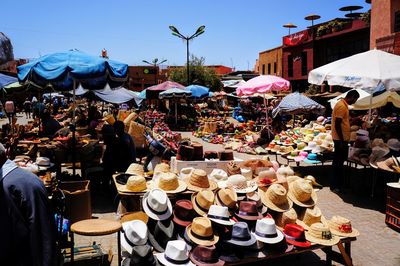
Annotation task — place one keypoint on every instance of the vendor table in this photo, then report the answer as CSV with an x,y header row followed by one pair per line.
x,y
96,227
343,257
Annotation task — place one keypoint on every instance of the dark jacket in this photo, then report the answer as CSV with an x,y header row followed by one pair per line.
x,y
26,223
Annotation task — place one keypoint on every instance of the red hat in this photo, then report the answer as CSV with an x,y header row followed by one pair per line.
x,y
295,235
183,213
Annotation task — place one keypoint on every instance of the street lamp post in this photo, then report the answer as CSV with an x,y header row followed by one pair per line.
x,y
155,64
176,33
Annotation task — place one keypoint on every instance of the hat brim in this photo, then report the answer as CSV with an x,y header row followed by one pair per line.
x,y
270,240
213,186
245,243
307,227
44,168
381,165
251,186
300,244
354,233
161,258
311,161
250,217
325,242
155,216
130,216
394,184
202,242
181,187
155,242
223,222
180,222
197,262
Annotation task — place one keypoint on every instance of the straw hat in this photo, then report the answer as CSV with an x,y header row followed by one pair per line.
x,y
275,198
341,226
266,177
226,197
293,154
310,217
199,180
239,183
202,201
135,169
136,183
201,232
301,193
185,173
170,183
292,178
320,234
312,181
233,168
387,164
287,217
276,148
161,168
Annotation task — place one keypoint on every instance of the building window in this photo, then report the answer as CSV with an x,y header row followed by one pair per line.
x,y
263,69
269,68
304,63
290,66
274,67
397,21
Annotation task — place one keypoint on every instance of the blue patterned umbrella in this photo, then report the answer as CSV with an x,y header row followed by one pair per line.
x,y
297,103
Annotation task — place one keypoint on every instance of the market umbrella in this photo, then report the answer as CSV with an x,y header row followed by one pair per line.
x,y
364,70
368,70
263,84
198,91
64,71
153,91
175,93
6,80
379,99
297,103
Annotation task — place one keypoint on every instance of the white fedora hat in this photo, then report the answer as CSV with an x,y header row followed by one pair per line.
x,y
220,215
267,232
175,253
157,205
135,234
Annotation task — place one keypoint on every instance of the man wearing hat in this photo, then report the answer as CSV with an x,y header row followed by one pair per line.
x,y
341,136
26,223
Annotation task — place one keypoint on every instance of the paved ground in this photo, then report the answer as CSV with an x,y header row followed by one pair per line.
x,y
377,244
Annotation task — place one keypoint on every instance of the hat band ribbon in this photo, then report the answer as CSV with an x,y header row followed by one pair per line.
x,y
266,235
155,211
346,228
202,237
223,203
127,240
200,207
176,261
218,217
326,235
290,237
248,213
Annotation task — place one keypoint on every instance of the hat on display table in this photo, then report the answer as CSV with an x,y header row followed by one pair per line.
x,y
302,193
219,215
275,198
226,197
341,226
135,233
267,232
295,235
141,255
199,180
202,201
206,256
312,158
183,213
241,235
157,205
201,232
175,253
161,234
320,234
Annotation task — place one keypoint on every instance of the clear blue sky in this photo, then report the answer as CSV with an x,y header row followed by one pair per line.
x,y
132,30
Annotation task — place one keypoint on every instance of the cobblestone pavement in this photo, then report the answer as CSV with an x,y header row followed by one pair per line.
x,y
377,244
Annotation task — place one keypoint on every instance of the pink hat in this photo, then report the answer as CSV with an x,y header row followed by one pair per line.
x,y
301,157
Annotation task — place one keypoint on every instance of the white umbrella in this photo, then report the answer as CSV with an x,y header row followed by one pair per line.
x,y
364,70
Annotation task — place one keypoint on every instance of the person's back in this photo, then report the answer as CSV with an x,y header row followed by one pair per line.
x,y
125,145
50,125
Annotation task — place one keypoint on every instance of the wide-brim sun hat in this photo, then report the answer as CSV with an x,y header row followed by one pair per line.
x,y
276,192
320,234
299,188
181,186
342,227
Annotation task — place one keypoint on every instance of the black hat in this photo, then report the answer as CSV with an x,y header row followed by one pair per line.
x,y
141,256
162,232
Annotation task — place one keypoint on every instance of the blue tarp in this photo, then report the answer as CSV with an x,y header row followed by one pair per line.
x,y
60,69
6,80
297,103
198,91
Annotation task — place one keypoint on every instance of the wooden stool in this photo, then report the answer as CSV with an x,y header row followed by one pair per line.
x,y
96,227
